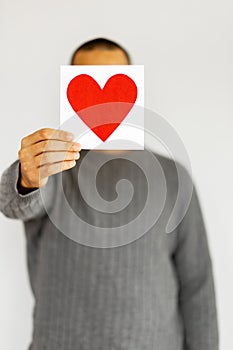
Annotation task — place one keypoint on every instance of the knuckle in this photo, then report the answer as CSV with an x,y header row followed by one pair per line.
x,y
24,154
20,153
23,140
45,132
25,167
42,133
29,167
24,170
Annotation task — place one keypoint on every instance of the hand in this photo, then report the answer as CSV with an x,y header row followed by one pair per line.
x,y
44,153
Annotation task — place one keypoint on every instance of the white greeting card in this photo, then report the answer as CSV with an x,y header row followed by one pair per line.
x,y
103,106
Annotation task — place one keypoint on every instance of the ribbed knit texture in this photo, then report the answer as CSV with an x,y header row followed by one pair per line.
x,y
155,293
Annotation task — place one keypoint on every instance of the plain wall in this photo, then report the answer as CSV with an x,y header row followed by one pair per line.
x,y
187,50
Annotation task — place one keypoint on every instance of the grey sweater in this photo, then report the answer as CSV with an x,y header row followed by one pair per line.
x,y
155,293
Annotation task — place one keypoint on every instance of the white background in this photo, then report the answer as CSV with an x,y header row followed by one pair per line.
x,y
187,49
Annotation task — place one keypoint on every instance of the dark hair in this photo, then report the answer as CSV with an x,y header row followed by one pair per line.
x,y
100,43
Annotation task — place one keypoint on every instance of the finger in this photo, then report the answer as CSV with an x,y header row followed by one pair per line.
x,y
53,157
48,146
51,169
46,134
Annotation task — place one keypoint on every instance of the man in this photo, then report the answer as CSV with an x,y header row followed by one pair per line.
x,y
156,292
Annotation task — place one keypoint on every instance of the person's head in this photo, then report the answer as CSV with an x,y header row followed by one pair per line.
x,y
100,51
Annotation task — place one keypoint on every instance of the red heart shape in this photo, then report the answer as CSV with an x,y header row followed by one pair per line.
x,y
102,110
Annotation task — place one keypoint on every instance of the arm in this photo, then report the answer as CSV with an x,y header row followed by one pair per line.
x,y
19,203
197,292
44,153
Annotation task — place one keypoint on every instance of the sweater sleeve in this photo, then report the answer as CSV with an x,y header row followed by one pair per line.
x,y
197,291
16,205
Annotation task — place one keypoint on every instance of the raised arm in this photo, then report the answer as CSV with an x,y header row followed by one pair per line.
x,y
42,154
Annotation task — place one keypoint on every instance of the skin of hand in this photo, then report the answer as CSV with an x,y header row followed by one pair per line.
x,y
44,153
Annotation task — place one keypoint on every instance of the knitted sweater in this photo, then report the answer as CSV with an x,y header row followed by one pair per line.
x,y
155,292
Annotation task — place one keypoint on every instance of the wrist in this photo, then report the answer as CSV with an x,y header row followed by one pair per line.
x,y
22,186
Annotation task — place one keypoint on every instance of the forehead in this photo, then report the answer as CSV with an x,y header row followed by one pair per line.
x,y
100,57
